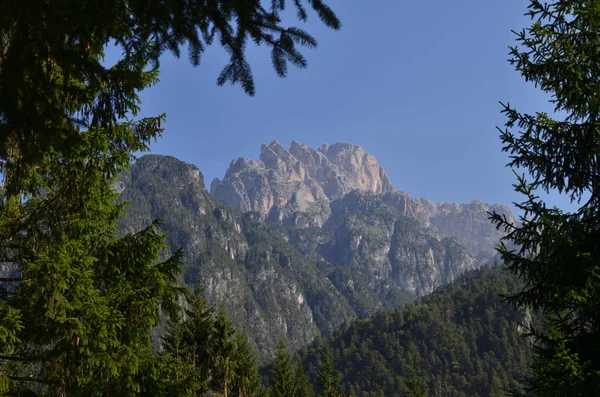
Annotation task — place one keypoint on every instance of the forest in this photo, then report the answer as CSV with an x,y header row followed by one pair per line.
x,y
91,306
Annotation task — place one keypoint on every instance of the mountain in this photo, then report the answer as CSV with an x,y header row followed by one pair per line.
x,y
336,204
302,179
297,187
298,265
461,339
265,285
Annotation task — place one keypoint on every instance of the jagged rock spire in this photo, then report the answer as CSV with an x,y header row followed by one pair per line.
x,y
300,176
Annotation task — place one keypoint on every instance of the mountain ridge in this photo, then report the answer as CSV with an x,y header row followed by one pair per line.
x,y
294,279
297,186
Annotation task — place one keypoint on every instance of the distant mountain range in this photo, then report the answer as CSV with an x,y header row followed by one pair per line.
x,y
304,240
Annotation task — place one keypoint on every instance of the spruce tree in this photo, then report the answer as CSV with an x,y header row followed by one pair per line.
x,y
302,383
414,385
208,354
283,379
78,301
81,301
189,343
557,252
247,380
329,377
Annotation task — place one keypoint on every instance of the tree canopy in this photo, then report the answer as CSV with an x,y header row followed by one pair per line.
x,y
461,340
53,83
77,300
557,252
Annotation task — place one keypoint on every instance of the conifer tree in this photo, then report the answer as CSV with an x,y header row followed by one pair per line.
x,y
329,378
302,384
190,344
78,302
557,252
209,354
246,382
414,385
77,311
283,380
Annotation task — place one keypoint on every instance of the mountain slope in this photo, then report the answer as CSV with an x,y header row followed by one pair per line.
x,y
462,340
264,284
290,281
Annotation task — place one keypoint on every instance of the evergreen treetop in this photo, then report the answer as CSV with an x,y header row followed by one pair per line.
x,y
557,252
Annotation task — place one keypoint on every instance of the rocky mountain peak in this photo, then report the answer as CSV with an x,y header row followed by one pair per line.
x,y
240,164
354,245
297,187
298,177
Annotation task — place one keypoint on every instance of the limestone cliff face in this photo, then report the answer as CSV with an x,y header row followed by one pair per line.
x,y
300,179
468,223
266,286
394,255
323,237
296,187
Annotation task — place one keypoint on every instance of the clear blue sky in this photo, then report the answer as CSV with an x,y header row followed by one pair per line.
x,y
416,83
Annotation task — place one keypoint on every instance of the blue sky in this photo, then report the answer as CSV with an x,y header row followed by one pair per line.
x,y
416,83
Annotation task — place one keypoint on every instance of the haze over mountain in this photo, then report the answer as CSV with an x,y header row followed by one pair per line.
x,y
463,341
296,187
308,239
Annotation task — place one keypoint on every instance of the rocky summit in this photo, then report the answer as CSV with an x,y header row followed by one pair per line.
x,y
299,179
302,240
297,186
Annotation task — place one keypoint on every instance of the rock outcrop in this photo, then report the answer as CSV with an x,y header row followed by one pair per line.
x,y
301,179
297,187
301,274
468,223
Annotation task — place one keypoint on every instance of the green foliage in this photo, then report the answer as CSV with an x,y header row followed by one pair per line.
x,y
79,311
462,340
78,305
302,383
286,383
556,253
414,385
283,379
209,354
329,378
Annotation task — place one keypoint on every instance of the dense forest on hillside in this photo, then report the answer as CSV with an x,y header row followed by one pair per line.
x,y
82,290
461,340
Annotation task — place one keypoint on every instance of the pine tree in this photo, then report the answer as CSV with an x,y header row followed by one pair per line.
x,y
557,253
190,344
209,354
247,380
82,301
79,302
302,384
414,385
283,382
329,378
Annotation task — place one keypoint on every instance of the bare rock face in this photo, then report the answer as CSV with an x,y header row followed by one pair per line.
x,y
339,241
468,223
393,254
297,187
300,179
